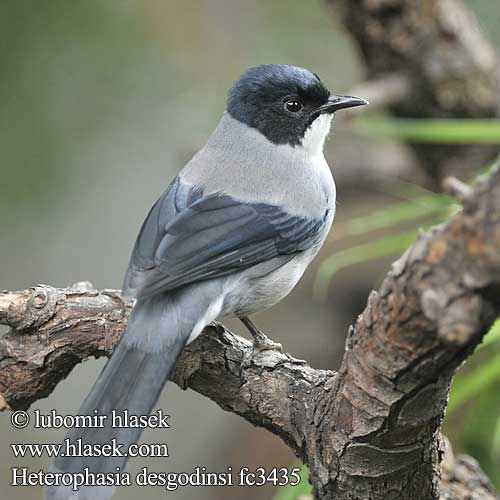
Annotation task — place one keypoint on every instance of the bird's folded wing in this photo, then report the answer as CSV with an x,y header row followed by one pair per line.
x,y
189,237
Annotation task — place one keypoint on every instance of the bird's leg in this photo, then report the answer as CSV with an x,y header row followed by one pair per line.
x,y
261,341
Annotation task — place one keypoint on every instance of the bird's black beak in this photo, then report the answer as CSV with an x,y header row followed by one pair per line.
x,y
336,102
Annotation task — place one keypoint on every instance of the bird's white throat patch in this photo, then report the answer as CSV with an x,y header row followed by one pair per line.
x,y
314,138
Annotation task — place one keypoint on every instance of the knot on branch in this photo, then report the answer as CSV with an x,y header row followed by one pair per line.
x,y
28,309
458,321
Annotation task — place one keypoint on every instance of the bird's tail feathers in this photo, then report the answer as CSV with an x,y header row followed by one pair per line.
x,y
131,380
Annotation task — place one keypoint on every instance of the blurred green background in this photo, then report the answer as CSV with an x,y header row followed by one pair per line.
x,y
101,104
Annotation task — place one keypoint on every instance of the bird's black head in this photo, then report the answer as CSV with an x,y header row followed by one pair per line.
x,y
283,101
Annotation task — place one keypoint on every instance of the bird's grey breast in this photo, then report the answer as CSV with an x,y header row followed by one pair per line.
x,y
240,161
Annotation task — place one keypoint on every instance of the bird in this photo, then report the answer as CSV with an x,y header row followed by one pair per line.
x,y
231,236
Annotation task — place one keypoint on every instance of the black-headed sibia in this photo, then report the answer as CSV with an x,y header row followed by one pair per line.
x,y
231,235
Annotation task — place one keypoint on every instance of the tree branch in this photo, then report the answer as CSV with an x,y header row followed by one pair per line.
x,y
54,329
438,65
373,427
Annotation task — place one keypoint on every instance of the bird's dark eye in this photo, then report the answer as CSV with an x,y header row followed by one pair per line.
x,y
293,106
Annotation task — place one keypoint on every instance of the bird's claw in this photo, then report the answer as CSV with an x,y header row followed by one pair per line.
x,y
266,344
260,345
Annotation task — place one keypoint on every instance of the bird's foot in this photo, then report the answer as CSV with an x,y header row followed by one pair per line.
x,y
259,346
262,342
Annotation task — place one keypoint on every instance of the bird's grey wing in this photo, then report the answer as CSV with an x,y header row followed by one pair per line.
x,y
214,236
176,198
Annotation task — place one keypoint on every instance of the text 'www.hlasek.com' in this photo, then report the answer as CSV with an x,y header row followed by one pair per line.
x,y
170,481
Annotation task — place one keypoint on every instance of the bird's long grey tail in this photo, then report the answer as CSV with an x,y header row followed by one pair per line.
x,y
131,380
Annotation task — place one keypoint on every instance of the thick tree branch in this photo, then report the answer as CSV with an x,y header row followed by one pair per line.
x,y
438,63
56,328
370,431
429,314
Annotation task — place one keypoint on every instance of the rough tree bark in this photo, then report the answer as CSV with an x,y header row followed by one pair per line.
x,y
427,59
370,431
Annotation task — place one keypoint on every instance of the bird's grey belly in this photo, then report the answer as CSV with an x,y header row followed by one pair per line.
x,y
264,285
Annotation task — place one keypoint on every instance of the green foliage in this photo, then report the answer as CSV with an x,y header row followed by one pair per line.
x,y
420,203
473,414
479,378
303,489
381,247
443,131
